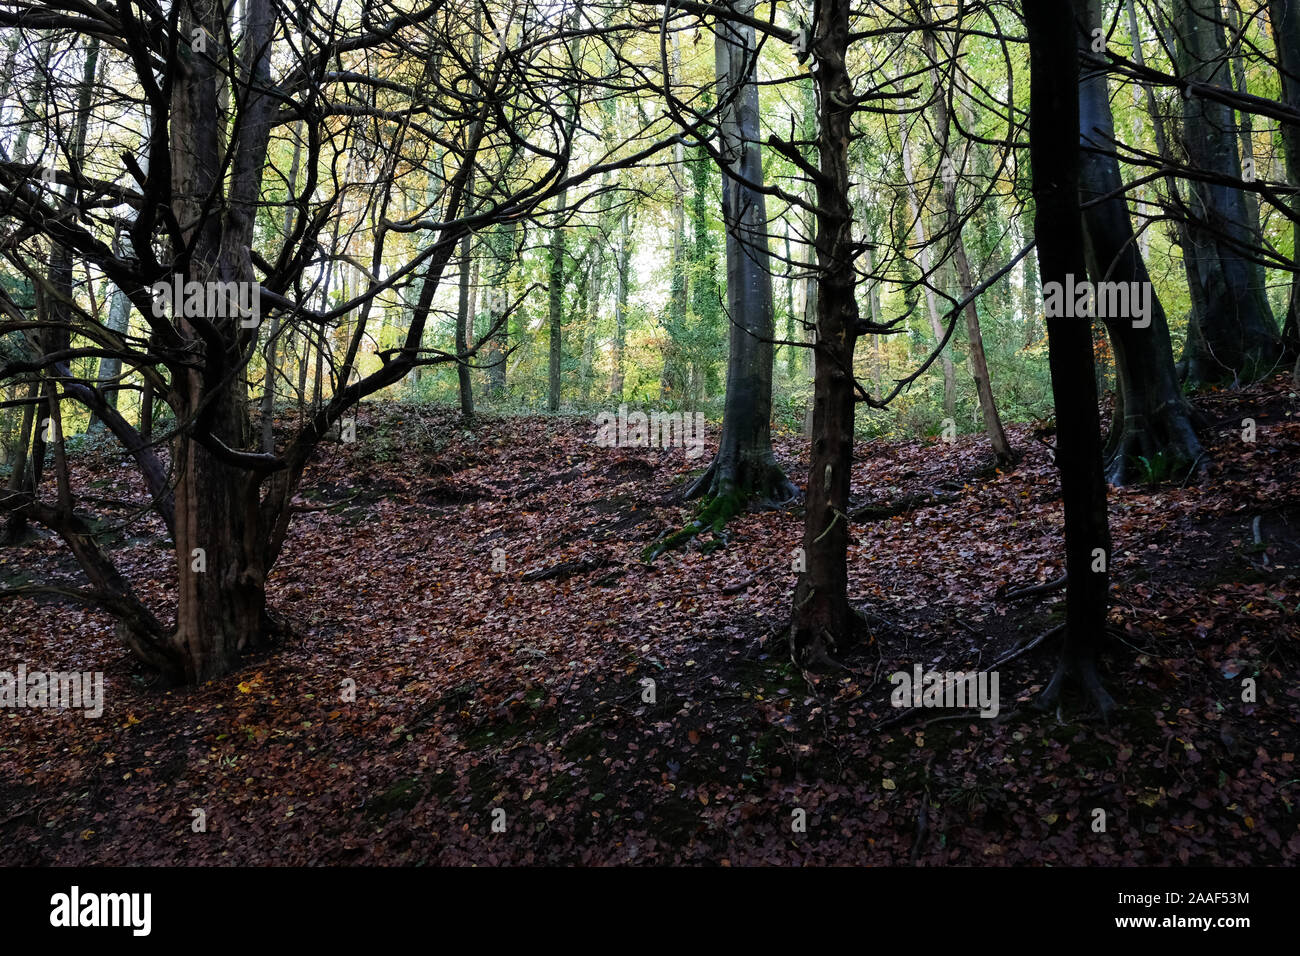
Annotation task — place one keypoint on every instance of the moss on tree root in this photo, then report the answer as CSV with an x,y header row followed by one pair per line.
x,y
713,515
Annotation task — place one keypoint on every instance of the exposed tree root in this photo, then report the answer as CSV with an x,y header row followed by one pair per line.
x,y
901,506
567,569
713,515
1047,587
927,499
1080,670
814,645
761,480
1154,449
727,490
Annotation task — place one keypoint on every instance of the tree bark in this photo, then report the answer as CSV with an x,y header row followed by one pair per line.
x,y
556,290
221,604
928,273
1054,160
1152,432
1175,201
1235,341
823,622
464,327
623,267
965,281
744,467
1285,18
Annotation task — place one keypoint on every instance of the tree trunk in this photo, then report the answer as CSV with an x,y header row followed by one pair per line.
x,y
672,380
15,524
623,266
1285,17
463,331
1152,433
1054,160
822,622
744,467
220,554
1175,203
1235,341
556,283
1030,297
221,609
273,336
1245,121
791,351
965,282
928,274
593,317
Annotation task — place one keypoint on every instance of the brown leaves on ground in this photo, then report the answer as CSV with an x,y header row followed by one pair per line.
x,y
478,689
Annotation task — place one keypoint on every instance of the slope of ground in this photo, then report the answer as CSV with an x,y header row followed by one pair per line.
x,y
481,590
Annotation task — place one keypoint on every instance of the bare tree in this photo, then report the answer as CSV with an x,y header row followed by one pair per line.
x,y
212,93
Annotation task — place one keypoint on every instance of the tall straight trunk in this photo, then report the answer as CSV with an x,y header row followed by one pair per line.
x,y
822,621
1139,196
1285,19
504,258
672,380
323,342
1236,340
917,215
556,284
1244,119
810,321
744,467
876,316
32,114
965,281
791,351
1030,298
119,318
1152,430
15,525
810,282
623,266
273,336
463,321
1174,190
595,284
1054,160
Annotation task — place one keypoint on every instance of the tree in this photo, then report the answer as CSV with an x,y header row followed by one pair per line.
x,y
1285,18
1234,340
197,228
744,467
966,283
1152,431
1055,165
823,622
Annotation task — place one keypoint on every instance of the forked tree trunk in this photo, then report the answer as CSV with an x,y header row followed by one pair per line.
x,y
1152,432
1285,18
1236,340
220,550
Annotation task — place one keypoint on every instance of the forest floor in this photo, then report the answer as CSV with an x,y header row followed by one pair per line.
x,y
479,689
